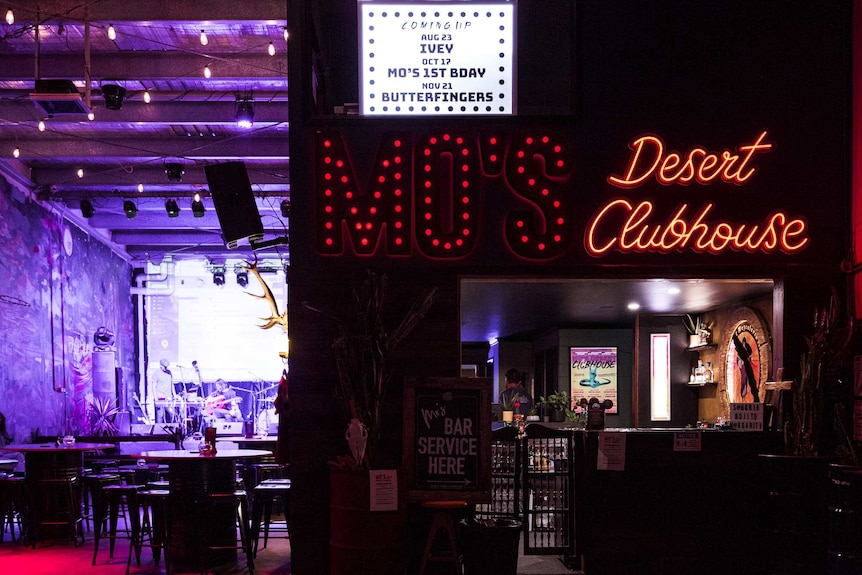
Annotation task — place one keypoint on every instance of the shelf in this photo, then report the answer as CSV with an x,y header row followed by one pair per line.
x,y
702,347
703,384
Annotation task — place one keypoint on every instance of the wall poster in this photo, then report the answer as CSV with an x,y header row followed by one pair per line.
x,y
594,374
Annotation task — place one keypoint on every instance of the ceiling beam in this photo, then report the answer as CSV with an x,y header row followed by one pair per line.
x,y
150,10
78,149
158,112
144,67
146,174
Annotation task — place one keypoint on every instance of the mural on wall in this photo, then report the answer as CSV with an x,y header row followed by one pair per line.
x,y
62,286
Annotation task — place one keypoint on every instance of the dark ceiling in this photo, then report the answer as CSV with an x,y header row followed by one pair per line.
x,y
190,120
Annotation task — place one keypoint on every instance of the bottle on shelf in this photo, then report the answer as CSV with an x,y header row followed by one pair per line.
x,y
699,372
709,376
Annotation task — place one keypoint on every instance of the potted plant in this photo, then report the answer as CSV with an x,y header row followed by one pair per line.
x,y
103,413
698,331
534,414
361,348
558,403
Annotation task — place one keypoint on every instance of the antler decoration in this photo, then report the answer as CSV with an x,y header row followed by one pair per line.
x,y
274,317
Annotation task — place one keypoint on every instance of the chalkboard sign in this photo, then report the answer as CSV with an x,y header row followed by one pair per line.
x,y
447,438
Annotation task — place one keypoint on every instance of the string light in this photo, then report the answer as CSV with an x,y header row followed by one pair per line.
x,y
146,97
16,152
41,125
112,34
271,49
91,116
207,72
141,188
80,172
204,39
10,17
285,34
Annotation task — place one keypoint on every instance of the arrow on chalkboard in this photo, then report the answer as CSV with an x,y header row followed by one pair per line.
x,y
465,482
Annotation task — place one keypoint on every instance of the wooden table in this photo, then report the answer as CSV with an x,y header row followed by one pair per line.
x,y
192,476
51,461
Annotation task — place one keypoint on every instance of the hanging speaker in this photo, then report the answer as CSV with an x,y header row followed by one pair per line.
x,y
234,203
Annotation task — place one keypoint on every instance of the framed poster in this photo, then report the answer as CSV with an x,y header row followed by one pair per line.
x,y
594,374
447,438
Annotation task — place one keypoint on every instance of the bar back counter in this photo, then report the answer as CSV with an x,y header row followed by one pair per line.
x,y
675,501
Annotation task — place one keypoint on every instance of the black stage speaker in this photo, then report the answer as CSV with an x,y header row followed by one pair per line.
x,y
234,203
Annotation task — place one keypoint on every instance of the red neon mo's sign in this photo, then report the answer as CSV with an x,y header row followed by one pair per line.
x,y
427,196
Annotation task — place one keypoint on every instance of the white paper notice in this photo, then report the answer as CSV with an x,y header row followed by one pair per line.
x,y
384,489
612,451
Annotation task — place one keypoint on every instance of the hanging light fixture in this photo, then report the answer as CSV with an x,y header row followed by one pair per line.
x,y
241,278
112,34
271,49
10,17
198,209
174,171
114,95
285,209
130,208
244,116
204,39
172,208
87,208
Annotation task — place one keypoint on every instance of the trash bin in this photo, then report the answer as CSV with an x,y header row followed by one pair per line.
x,y
490,546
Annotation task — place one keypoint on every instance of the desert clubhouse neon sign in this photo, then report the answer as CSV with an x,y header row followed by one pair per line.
x,y
426,196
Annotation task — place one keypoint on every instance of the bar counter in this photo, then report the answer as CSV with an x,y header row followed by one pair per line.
x,y
671,511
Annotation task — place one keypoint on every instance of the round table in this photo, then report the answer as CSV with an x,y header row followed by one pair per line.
x,y
192,476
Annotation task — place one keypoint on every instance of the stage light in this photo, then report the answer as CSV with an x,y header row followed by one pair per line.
x,y
10,17
244,113
172,208
204,39
242,278
218,277
174,171
103,337
285,209
87,208
130,208
198,206
114,95
112,34
271,49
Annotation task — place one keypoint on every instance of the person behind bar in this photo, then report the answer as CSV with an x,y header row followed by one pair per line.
x,y
515,390
6,439
161,391
223,402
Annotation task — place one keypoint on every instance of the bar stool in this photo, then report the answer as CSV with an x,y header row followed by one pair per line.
x,y
265,494
57,503
442,520
91,495
211,501
152,505
11,505
116,495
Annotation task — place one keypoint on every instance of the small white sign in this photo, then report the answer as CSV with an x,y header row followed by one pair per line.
x,y
686,441
746,416
612,451
384,489
436,58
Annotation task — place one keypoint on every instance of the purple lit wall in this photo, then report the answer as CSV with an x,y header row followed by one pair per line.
x,y
58,287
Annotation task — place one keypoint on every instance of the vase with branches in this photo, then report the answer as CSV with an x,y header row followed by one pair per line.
x,y
362,347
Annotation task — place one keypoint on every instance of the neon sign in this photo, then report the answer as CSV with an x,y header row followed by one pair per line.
x,y
424,194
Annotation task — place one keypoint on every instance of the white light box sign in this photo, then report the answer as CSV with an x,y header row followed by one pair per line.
x,y
437,58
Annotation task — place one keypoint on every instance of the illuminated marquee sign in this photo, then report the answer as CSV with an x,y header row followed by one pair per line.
x,y
436,58
425,193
